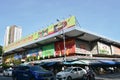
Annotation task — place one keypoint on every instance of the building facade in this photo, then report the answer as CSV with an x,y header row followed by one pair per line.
x,y
50,43
12,34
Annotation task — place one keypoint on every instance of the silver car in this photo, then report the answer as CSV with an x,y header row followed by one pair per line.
x,y
7,72
71,73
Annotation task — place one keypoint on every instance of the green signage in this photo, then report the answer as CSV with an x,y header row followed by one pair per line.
x,y
48,50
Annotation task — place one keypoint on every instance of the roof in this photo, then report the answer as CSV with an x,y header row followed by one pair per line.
x,y
72,32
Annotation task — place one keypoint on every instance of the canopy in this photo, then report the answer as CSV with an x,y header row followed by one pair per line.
x,y
73,62
108,62
48,64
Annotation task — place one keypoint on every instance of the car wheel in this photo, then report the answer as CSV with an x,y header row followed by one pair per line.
x,y
84,77
8,74
69,78
3,74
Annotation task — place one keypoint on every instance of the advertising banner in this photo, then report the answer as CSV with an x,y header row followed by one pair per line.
x,y
65,24
69,22
48,50
115,50
70,47
33,52
94,48
51,29
45,32
40,35
82,47
103,48
23,41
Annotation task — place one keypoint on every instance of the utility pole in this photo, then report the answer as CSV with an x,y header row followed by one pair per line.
x,y
63,35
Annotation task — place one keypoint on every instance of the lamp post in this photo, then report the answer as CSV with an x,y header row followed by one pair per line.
x,y
63,24
64,45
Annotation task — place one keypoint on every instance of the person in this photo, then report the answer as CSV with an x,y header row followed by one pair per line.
x,y
90,74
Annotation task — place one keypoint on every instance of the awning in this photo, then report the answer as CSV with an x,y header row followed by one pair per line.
x,y
108,62
48,64
73,63
84,62
92,62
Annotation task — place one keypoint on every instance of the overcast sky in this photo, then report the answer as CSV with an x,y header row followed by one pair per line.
x,y
98,16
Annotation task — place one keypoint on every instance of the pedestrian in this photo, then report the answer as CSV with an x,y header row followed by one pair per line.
x,y
90,74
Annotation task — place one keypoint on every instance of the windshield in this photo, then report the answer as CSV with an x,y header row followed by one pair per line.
x,y
37,68
67,70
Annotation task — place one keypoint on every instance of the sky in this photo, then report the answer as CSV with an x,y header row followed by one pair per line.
x,y
98,16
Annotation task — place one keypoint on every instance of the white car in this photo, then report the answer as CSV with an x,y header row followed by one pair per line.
x,y
71,73
7,72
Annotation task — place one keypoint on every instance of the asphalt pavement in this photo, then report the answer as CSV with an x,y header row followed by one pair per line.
x,y
4,78
115,76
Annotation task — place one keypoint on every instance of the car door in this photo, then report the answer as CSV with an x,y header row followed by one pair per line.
x,y
26,73
80,72
22,74
74,73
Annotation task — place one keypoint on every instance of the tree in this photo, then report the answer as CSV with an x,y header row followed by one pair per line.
x,y
1,50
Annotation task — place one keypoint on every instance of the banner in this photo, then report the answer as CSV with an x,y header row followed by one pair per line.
x,y
115,50
65,24
48,50
70,47
50,29
103,48
69,22
82,47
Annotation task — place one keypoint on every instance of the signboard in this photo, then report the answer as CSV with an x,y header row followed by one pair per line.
x,y
115,50
103,48
82,47
69,22
70,47
48,50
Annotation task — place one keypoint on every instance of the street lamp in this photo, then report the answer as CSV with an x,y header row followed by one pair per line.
x,y
63,24
64,58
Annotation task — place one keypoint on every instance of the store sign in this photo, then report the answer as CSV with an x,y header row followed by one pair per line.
x,y
115,50
69,22
33,52
48,50
82,47
70,47
103,48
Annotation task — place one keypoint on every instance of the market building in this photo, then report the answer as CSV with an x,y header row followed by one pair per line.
x,y
61,41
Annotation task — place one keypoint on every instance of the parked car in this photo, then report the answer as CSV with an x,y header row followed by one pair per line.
x,y
1,70
71,73
7,72
32,72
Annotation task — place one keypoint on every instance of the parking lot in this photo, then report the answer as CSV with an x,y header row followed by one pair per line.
x,y
115,76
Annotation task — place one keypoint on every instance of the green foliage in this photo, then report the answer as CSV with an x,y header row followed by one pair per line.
x,y
5,66
17,62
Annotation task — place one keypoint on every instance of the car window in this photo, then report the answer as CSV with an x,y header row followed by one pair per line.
x,y
74,70
37,68
23,68
79,69
9,69
67,70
